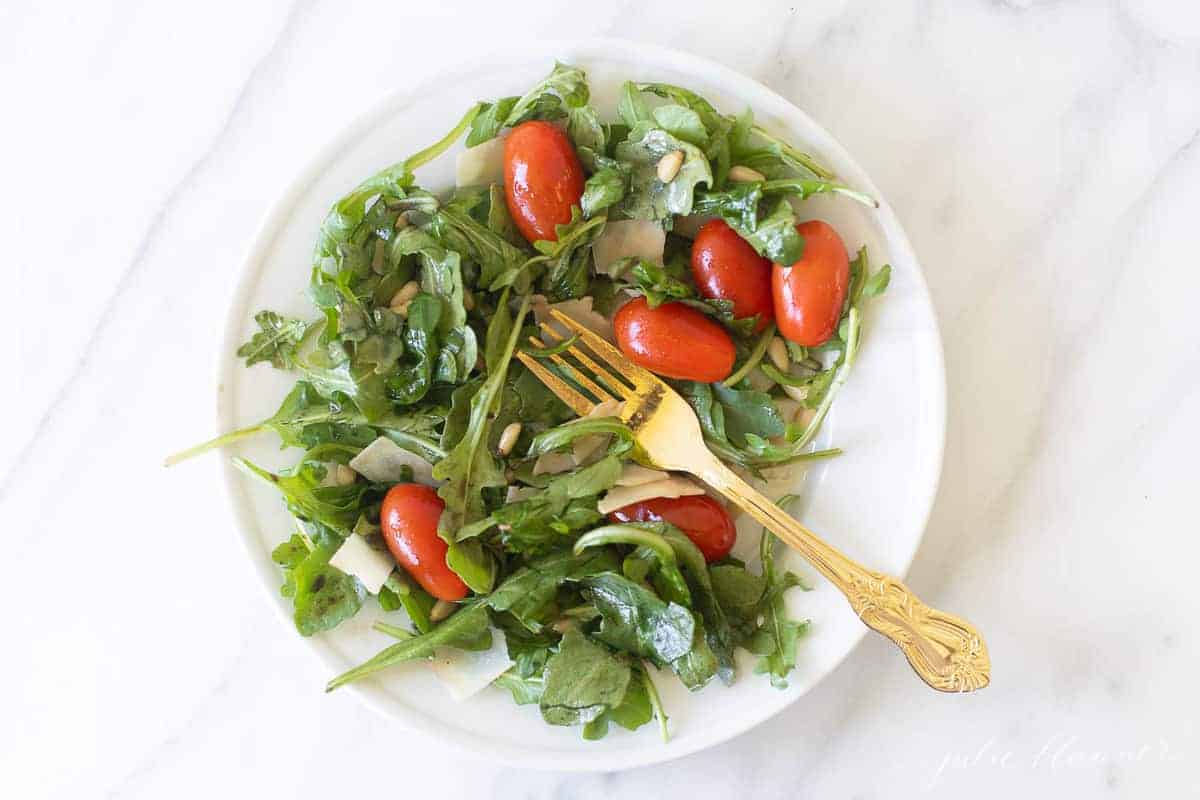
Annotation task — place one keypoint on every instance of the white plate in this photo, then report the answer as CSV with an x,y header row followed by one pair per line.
x,y
873,501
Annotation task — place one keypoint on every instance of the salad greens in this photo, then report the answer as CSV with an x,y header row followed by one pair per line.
x,y
422,299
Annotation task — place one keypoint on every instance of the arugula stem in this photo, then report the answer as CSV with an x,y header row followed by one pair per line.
x,y
656,704
212,444
394,631
442,145
794,157
756,355
626,534
806,189
843,372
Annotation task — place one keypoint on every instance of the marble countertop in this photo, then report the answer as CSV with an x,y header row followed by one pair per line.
x,y
1044,160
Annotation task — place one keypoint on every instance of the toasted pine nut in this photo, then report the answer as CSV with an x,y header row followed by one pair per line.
x,y
404,296
668,166
508,438
740,174
777,350
402,221
441,609
343,475
804,416
468,300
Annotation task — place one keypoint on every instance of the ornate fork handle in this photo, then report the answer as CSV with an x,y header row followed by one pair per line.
x,y
946,651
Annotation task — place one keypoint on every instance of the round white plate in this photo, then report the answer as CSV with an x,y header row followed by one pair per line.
x,y
873,501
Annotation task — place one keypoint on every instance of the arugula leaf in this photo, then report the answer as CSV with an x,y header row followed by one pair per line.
x,y
739,593
775,641
568,258
499,221
467,629
635,710
583,681
648,197
563,89
653,551
659,283
632,107
770,155
411,381
525,690
275,341
635,620
306,419
500,262
737,205
717,630
528,592
334,506
323,597
469,467
747,411
606,187
401,591
682,123
538,522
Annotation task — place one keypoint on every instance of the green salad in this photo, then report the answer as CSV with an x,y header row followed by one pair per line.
x,y
511,542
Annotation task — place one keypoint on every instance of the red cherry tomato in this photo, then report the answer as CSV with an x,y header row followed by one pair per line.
x,y
409,518
809,294
704,520
542,179
725,267
674,340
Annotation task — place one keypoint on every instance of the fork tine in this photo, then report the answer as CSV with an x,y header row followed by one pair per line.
x,y
567,393
573,372
609,379
616,359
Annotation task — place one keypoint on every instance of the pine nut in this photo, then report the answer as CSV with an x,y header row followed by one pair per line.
x,y
402,221
777,350
805,416
508,438
468,300
563,624
740,174
343,475
441,609
404,296
668,166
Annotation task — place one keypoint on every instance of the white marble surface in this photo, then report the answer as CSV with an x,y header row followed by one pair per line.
x,y
1044,159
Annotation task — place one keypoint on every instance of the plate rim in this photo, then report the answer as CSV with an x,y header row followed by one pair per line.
x,y
268,231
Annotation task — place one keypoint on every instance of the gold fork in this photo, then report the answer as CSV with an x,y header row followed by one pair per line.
x,y
946,651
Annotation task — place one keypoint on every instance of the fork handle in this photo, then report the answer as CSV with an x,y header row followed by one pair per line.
x,y
945,650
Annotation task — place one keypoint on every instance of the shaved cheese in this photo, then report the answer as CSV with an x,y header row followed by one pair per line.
x,y
481,165
621,496
641,238
636,475
690,225
579,310
585,449
465,674
356,557
553,463
382,461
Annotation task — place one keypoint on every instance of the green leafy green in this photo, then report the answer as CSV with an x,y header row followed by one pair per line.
x,y
469,467
583,681
467,629
636,620
275,341
648,197
529,592
323,597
